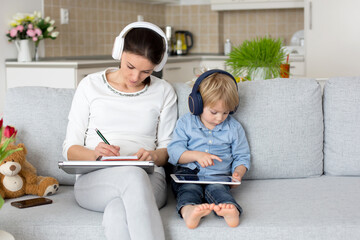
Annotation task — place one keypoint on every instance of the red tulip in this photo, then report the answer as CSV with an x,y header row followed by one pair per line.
x,y
1,123
9,132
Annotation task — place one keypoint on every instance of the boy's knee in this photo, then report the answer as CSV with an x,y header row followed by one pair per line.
x,y
216,187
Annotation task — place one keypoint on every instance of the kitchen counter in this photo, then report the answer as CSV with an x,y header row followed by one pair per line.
x,y
67,72
65,63
196,57
101,61
107,61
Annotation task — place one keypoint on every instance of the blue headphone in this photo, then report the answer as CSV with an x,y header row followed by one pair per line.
x,y
195,100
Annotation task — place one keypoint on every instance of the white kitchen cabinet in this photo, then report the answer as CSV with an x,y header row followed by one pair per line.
x,y
332,34
184,68
213,64
297,69
44,77
180,71
55,74
225,5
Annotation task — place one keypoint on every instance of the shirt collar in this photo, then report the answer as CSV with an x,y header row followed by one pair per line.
x,y
198,124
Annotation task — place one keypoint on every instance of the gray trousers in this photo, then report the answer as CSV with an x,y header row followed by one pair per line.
x,y
126,197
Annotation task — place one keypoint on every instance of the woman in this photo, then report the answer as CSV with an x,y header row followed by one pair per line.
x,y
136,112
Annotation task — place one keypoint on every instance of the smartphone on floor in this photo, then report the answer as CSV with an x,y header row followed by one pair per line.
x,y
31,202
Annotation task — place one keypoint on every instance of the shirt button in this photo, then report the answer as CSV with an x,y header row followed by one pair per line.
x,y
210,141
210,132
206,150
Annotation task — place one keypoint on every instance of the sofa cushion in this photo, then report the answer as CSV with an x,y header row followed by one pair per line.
x,y
283,121
41,123
320,208
284,125
342,131
63,219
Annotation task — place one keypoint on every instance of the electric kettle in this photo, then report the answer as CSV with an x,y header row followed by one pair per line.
x,y
184,42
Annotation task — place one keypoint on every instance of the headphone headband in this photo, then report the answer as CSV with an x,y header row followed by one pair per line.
x,y
195,100
119,41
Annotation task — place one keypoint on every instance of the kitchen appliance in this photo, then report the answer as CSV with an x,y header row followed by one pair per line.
x,y
184,42
170,37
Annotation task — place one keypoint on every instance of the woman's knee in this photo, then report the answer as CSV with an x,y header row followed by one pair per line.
x,y
125,176
159,188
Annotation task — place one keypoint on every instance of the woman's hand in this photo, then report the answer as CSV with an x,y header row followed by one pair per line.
x,y
145,155
103,149
205,159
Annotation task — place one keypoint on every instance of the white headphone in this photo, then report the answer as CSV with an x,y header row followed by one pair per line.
x,y
119,41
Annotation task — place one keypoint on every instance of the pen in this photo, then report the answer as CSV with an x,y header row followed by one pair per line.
x,y
102,137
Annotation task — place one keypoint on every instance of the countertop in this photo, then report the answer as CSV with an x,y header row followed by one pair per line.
x,y
99,61
107,61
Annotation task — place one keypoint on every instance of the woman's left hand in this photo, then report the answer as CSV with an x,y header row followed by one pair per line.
x,y
145,155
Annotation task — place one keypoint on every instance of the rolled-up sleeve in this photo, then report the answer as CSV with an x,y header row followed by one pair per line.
x,y
240,149
179,142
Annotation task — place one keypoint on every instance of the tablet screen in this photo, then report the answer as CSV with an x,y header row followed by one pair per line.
x,y
204,179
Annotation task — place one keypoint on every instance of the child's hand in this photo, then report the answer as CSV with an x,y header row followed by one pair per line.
x,y
238,173
206,159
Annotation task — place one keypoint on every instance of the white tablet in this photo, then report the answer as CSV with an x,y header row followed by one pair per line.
x,y
205,179
81,167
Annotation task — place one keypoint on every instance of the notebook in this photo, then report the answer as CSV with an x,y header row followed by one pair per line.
x,y
81,167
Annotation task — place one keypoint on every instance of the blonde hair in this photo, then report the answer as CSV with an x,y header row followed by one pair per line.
x,y
219,87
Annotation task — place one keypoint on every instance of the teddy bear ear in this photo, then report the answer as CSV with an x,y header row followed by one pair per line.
x,y
21,145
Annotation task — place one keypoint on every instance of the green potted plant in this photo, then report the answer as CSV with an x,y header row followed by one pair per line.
x,y
9,137
259,58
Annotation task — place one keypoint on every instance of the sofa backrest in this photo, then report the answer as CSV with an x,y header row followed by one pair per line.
x,y
342,126
40,115
283,122
282,118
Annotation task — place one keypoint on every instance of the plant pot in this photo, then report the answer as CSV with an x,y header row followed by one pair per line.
x,y
259,74
24,50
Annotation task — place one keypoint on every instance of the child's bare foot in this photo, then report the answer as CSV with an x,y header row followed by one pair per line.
x,y
229,212
193,213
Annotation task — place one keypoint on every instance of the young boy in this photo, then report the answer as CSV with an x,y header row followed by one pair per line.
x,y
209,141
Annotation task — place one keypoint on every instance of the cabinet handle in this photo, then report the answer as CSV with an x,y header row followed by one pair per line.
x,y
292,66
173,68
310,15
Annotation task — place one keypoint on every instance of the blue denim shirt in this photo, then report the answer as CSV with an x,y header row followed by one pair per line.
x,y
227,141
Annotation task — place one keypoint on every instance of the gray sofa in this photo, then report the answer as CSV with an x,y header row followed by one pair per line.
x,y
303,183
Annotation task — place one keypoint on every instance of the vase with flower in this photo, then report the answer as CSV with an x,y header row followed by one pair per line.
x,y
43,28
17,33
9,134
30,27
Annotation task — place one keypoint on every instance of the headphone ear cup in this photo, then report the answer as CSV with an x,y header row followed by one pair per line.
x,y
191,103
195,103
118,47
198,104
232,112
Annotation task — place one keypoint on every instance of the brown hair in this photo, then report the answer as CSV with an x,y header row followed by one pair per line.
x,y
218,87
145,42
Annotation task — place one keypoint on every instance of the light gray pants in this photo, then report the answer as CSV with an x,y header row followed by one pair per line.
x,y
126,197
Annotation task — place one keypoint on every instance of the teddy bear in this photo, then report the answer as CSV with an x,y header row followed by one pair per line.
x,y
18,177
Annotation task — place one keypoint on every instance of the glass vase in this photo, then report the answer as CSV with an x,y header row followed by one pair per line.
x,y
36,55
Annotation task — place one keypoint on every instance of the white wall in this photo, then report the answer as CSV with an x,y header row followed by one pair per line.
x,y
8,50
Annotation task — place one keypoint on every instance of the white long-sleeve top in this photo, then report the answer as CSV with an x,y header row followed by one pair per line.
x,y
143,119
